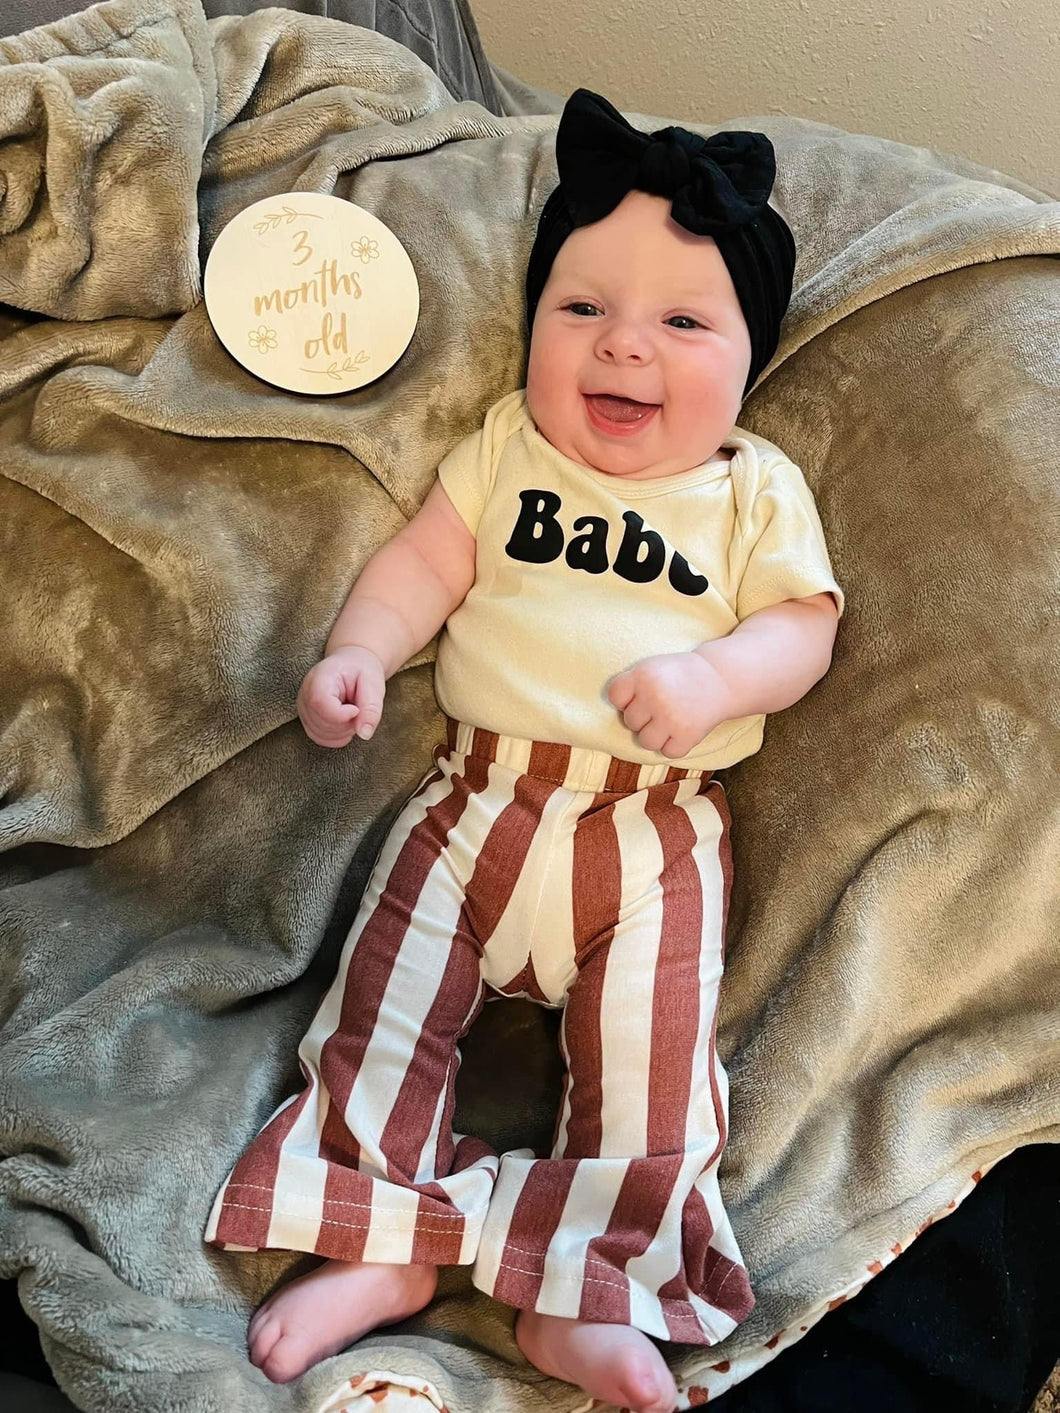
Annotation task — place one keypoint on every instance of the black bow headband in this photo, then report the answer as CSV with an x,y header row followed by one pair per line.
x,y
718,186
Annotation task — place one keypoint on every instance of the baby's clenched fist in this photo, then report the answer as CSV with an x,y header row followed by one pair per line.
x,y
670,702
341,696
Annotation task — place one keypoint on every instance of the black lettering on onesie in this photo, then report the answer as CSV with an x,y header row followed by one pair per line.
x,y
537,538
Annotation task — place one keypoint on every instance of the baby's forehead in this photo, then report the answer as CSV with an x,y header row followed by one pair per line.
x,y
628,269
640,242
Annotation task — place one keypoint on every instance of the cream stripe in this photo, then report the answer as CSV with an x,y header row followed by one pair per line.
x,y
219,1201
513,753
532,914
661,1261
427,1166
560,1145
586,1213
300,1171
428,1160
716,1323
625,1002
702,1125
418,972
475,1202
586,769
326,1020
511,1177
392,1224
701,1130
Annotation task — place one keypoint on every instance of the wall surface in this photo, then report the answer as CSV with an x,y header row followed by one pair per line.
x,y
978,78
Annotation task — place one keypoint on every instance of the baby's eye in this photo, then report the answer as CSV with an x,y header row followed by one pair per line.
x,y
688,322
579,305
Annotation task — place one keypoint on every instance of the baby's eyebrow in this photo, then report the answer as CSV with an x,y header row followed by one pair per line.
x,y
587,289
582,281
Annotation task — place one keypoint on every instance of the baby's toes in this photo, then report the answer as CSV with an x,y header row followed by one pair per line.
x,y
645,1386
658,1396
260,1315
289,1356
264,1332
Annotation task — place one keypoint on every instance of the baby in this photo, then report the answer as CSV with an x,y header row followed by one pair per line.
x,y
628,583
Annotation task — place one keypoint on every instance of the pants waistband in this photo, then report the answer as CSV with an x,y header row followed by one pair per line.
x,y
575,767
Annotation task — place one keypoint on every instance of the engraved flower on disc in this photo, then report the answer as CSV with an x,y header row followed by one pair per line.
x,y
262,338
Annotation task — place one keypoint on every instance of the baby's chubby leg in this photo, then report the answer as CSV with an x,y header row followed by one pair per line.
x,y
321,1313
611,1362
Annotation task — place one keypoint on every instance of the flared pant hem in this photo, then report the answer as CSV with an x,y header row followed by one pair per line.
x,y
607,1296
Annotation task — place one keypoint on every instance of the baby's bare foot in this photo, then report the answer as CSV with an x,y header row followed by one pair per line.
x,y
322,1312
613,1362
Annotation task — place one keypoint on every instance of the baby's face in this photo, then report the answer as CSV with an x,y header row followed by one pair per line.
x,y
639,308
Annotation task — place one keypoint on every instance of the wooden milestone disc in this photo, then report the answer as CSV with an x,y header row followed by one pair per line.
x,y
311,293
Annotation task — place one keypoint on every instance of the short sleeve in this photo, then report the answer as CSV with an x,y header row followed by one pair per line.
x,y
786,555
468,472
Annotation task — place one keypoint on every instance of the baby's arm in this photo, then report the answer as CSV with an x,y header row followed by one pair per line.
x,y
672,701
400,600
775,655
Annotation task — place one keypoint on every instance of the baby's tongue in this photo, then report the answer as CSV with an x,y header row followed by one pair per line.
x,y
619,409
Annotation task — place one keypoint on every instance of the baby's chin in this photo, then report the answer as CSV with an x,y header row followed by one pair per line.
x,y
640,457
630,462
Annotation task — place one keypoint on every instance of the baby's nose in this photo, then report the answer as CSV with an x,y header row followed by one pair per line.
x,y
625,341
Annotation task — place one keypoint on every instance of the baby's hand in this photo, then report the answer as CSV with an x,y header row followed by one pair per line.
x,y
670,702
342,697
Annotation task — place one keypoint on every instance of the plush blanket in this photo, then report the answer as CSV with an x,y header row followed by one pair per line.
x,y
181,863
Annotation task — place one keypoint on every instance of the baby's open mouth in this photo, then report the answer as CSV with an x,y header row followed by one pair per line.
x,y
619,409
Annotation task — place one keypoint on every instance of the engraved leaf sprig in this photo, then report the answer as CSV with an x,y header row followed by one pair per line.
x,y
335,370
272,219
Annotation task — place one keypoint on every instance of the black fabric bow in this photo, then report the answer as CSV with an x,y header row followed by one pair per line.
x,y
717,186
714,183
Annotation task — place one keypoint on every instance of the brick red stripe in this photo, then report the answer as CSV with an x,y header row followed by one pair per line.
x,y
430,1245
525,983
531,1228
713,1276
559,1113
715,792
707,1272
648,1184
497,868
469,1151
622,776
484,744
675,999
246,1213
549,761
343,1052
596,884
431,1069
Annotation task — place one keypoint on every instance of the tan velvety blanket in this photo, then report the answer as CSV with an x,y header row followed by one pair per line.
x,y
181,862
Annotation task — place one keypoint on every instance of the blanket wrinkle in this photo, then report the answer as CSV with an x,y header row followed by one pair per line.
x,y
179,864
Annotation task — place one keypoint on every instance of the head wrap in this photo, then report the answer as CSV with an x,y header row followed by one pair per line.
x,y
718,186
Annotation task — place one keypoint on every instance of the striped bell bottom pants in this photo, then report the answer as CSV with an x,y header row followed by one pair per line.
x,y
581,881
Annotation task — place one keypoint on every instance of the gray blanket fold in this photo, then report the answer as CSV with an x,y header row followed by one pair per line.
x,y
181,862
